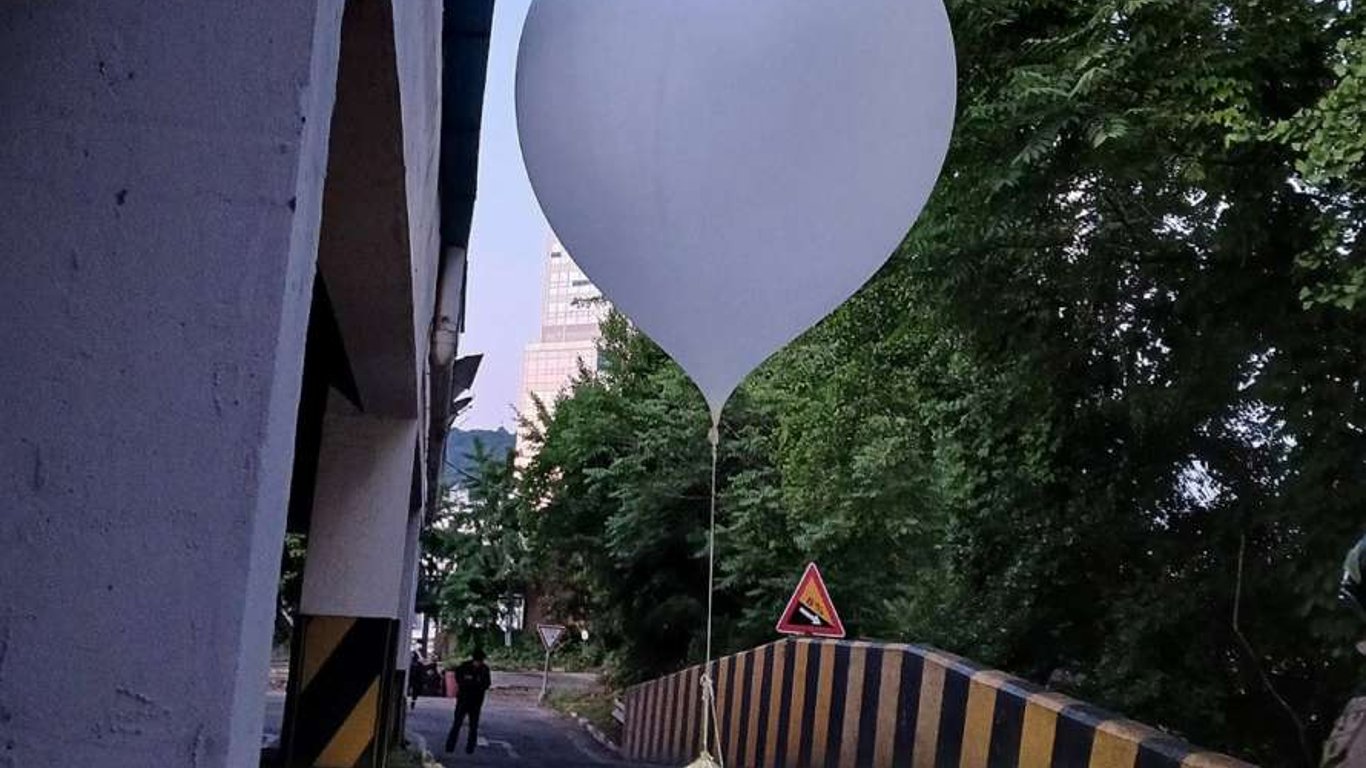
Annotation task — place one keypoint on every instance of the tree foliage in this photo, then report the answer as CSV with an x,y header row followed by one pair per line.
x,y
1106,398
474,559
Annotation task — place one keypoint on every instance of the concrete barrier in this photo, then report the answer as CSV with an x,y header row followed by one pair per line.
x,y
804,703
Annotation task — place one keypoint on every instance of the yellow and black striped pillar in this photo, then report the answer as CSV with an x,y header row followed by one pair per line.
x,y
336,713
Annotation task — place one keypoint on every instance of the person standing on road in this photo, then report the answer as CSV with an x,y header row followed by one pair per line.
x,y
472,681
417,677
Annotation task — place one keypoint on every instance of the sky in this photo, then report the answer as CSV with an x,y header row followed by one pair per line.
x,y
507,243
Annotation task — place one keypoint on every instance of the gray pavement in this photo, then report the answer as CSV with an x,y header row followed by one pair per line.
x,y
514,731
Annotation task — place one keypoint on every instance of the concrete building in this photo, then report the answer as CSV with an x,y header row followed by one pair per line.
x,y
571,310
234,245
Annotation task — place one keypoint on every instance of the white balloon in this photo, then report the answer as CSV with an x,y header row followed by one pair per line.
x,y
729,171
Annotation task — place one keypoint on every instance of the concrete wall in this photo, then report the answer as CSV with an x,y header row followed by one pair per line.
x,y
836,703
160,183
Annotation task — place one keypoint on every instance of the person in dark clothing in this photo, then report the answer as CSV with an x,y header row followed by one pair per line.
x,y
417,674
472,681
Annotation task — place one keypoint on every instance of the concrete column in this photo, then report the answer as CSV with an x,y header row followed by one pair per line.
x,y
377,259
353,574
359,529
160,180
407,597
408,593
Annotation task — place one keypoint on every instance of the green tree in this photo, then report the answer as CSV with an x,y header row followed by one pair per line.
x,y
1109,391
616,494
1144,391
1329,139
475,553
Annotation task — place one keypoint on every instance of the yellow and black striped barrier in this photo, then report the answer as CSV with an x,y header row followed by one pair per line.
x,y
335,715
805,703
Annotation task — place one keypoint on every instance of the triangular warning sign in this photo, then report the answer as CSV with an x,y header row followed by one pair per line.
x,y
811,611
550,634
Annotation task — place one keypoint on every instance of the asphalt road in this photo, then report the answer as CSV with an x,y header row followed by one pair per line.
x,y
513,731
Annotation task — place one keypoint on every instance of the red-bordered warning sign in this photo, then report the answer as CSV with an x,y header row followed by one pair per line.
x,y
810,611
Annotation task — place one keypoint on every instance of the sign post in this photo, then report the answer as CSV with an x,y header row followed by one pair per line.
x,y
810,611
550,636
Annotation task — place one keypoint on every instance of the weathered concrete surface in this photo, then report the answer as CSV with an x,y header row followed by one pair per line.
x,y
412,555
160,190
359,531
379,249
364,256
417,27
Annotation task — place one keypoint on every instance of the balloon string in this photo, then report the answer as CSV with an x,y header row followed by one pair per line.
x,y
710,714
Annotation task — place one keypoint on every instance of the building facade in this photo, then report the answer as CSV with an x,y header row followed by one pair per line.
x,y
572,309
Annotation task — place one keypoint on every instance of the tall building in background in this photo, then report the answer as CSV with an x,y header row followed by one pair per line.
x,y
571,311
